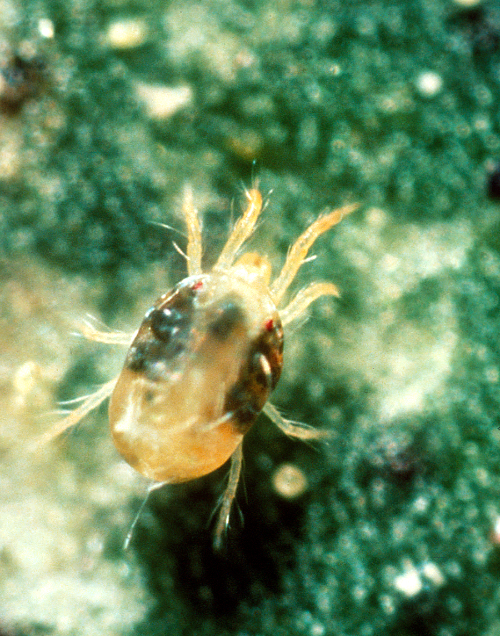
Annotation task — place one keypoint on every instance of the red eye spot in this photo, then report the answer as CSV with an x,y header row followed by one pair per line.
x,y
269,325
197,285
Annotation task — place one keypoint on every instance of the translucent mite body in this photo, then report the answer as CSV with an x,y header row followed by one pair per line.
x,y
205,359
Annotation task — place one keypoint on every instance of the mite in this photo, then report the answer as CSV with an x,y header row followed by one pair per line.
x,y
206,358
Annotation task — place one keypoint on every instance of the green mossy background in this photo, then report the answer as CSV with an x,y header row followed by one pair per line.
x,y
391,104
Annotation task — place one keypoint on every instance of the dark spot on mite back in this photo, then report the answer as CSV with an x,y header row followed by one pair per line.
x,y
247,396
247,406
164,334
149,355
229,316
166,323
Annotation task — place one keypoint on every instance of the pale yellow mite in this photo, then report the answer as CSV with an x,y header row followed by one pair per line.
x,y
205,359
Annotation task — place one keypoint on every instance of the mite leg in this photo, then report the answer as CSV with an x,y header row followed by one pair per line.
x,y
242,230
228,496
88,330
194,246
291,428
297,306
298,251
90,402
130,533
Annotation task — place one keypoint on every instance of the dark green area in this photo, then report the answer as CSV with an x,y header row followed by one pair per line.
x,y
337,116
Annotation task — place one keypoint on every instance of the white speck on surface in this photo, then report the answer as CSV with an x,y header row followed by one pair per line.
x,y
317,629
289,481
46,28
429,83
496,531
409,583
433,573
126,33
162,102
421,504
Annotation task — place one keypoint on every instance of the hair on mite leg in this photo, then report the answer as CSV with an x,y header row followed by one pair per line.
x,y
293,429
307,295
93,400
193,224
206,358
90,402
110,336
228,497
152,486
242,230
298,252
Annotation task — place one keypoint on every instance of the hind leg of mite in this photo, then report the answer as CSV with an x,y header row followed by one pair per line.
x,y
93,400
228,497
299,304
110,336
88,404
293,429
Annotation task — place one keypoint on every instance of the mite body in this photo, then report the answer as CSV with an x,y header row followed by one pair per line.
x,y
205,359
196,376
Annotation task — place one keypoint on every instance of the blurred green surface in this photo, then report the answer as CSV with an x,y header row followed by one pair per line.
x,y
391,104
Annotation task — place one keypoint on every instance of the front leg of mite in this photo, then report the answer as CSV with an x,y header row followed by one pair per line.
x,y
193,224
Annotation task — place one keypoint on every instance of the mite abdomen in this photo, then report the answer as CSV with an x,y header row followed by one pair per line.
x,y
196,377
169,438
